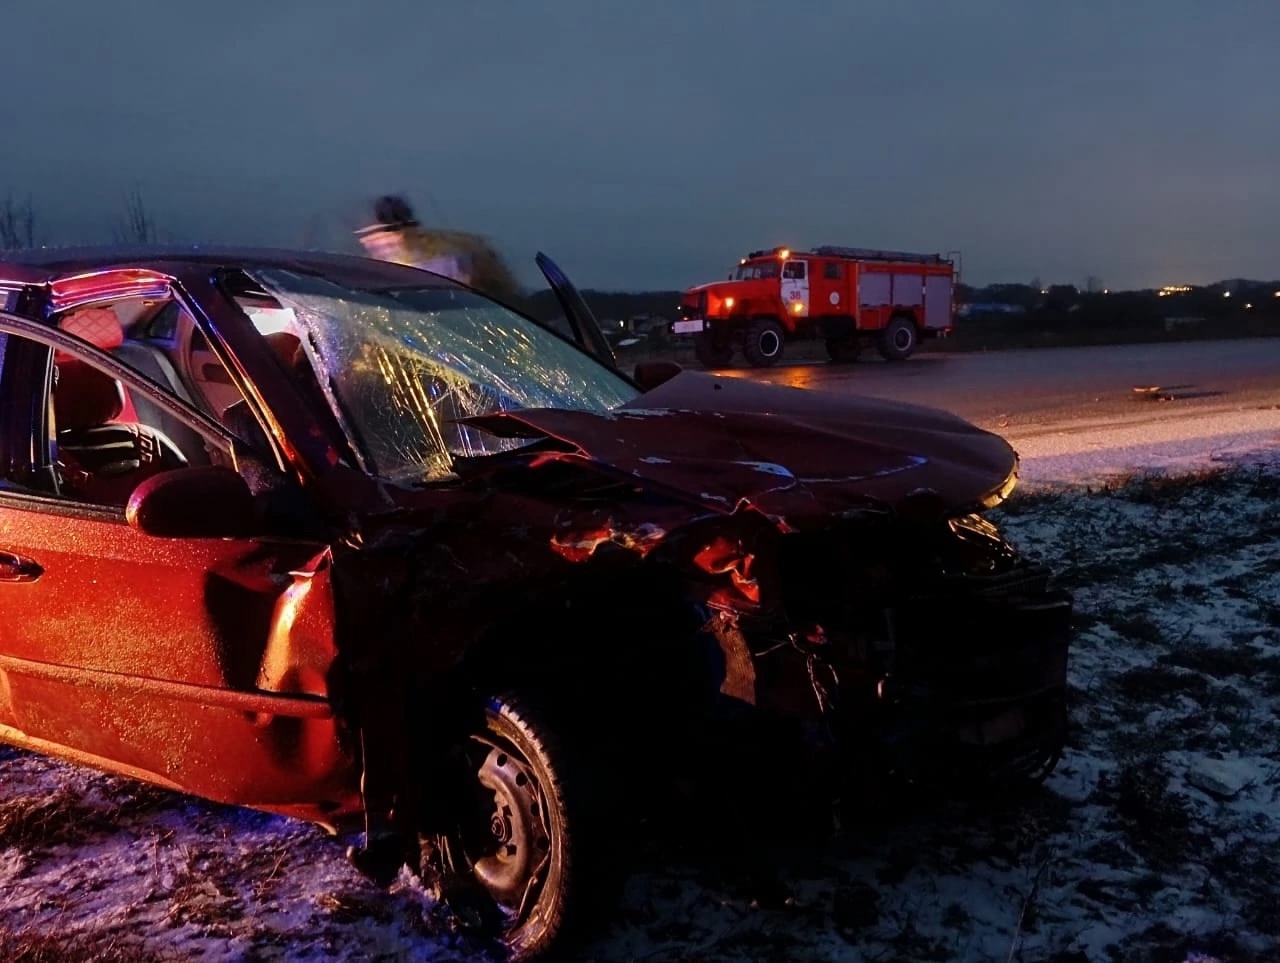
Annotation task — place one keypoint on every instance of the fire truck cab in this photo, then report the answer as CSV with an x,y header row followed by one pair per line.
x,y
849,297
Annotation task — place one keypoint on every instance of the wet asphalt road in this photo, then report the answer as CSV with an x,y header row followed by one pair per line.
x,y
1024,392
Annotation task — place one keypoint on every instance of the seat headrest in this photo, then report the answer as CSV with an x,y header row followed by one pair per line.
x,y
85,397
99,326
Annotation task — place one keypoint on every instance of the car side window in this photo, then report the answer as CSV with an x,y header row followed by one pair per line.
x,y
103,444
88,441
161,342
794,270
834,271
163,326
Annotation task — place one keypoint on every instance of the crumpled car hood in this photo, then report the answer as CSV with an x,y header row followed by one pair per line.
x,y
797,455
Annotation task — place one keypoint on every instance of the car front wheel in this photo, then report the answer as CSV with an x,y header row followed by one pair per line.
x,y
516,846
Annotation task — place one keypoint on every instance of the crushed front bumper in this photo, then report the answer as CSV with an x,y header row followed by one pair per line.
x,y
981,687
977,688
964,685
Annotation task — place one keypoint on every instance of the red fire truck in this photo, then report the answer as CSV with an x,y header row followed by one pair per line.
x,y
850,297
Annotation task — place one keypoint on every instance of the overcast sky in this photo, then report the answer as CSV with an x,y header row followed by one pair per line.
x,y
650,143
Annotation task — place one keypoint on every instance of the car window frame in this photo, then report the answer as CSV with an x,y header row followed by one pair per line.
x,y
53,339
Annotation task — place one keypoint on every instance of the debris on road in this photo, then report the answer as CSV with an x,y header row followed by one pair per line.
x,y
1151,393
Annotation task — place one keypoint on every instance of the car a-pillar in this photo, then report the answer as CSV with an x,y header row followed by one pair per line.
x,y
899,338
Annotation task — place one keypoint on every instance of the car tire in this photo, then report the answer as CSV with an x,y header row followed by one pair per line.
x,y
711,353
522,850
843,350
899,339
763,343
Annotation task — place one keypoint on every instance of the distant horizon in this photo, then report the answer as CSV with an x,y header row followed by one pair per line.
x,y
532,279
331,234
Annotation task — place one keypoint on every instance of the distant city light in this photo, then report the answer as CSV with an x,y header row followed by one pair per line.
x,y
1174,289
1226,294
1248,306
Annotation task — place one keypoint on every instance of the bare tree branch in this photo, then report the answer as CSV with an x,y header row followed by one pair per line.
x,y
17,224
138,226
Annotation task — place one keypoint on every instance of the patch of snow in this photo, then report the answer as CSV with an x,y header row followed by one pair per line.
x,y
766,468
912,461
638,413
1095,451
1222,778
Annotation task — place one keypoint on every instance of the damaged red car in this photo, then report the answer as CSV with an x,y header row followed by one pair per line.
x,y
351,542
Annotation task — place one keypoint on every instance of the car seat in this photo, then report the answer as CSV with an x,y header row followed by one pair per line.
x,y
101,459
101,327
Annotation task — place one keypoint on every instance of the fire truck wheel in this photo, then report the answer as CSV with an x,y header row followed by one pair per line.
x,y
898,339
712,354
763,343
843,350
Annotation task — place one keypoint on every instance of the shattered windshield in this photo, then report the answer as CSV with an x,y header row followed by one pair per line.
x,y
401,366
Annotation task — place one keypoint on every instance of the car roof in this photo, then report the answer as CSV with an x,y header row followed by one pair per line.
x,y
38,265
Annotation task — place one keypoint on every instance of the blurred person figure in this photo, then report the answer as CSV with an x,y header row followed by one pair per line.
x,y
397,236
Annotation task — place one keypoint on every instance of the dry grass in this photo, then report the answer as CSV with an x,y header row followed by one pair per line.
x,y
35,824
26,946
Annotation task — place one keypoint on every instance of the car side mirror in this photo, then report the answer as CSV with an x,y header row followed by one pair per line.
x,y
204,501
651,374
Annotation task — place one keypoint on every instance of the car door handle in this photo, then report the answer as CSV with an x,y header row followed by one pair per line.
x,y
17,568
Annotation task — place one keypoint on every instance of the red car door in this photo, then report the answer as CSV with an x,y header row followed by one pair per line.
x,y
198,662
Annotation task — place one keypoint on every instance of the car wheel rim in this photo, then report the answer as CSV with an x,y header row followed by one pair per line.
x,y
509,844
769,343
902,339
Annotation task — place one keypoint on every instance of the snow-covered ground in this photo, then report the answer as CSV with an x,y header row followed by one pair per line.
x,y
1158,838
1152,438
